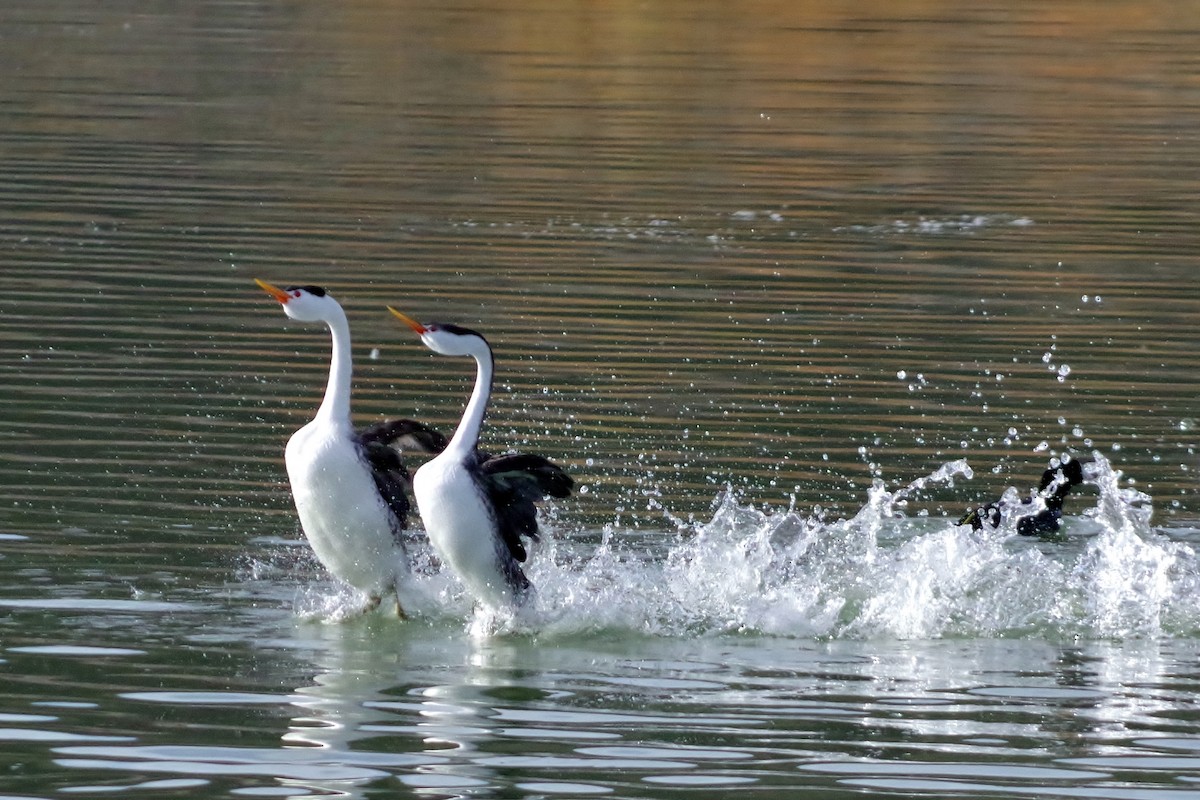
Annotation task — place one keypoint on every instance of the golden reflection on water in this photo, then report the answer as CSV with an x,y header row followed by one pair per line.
x,y
705,241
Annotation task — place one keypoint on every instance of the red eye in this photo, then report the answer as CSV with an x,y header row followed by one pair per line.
x,y
296,293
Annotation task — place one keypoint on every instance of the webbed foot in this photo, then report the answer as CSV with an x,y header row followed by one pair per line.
x,y
374,601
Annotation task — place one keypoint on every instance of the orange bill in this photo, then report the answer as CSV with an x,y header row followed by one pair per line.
x,y
274,291
410,322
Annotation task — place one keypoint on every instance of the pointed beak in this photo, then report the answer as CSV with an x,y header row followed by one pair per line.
x,y
420,329
274,291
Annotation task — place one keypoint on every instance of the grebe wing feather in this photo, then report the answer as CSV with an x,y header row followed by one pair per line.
x,y
377,443
515,483
407,434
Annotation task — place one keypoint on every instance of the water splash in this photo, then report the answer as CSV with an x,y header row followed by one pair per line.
x,y
879,574
884,574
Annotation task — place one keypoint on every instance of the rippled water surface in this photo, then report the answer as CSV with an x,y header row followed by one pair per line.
x,y
785,286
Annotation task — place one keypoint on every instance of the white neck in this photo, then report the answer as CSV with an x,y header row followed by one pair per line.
x,y
335,407
467,435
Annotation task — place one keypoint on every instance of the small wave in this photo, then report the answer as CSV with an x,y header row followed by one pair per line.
x,y
938,226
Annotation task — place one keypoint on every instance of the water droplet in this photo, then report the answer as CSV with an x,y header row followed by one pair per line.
x,y
901,374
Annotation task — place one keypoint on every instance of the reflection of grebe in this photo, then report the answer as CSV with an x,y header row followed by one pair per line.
x,y
355,666
350,487
370,712
476,507
1056,484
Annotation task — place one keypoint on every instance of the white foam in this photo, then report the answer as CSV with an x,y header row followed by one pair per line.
x,y
880,573
883,574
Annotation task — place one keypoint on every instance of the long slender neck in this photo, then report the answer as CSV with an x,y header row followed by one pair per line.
x,y
335,407
467,435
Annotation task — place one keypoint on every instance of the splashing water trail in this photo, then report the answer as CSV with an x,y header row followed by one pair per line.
x,y
879,574
884,574
1136,575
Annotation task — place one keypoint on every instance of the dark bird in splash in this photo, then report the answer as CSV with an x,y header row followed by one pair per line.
x,y
1056,483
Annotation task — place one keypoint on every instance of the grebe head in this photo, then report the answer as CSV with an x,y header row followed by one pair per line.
x,y
303,303
444,337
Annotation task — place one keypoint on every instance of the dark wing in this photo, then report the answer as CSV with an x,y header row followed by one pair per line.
x,y
1056,484
515,483
391,479
387,469
976,517
406,433
1064,478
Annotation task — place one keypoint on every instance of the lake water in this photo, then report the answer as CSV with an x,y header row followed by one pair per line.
x,y
785,286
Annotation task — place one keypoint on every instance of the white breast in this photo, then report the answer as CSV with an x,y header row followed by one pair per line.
x,y
343,515
461,529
